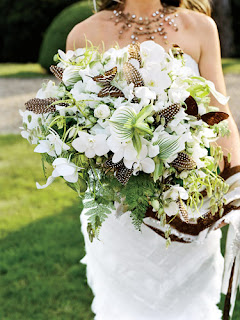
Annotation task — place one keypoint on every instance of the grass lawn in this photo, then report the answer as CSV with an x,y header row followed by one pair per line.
x,y
231,65
41,243
34,70
21,70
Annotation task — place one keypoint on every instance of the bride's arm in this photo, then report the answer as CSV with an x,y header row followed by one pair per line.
x,y
210,67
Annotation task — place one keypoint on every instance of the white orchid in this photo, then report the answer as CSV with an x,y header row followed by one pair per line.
x,y
52,145
122,150
91,145
70,56
152,52
50,90
143,162
145,94
174,192
62,168
155,78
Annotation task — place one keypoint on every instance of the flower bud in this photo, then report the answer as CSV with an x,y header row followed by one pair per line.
x,y
155,204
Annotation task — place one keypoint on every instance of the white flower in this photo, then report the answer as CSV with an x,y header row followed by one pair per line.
x,y
102,111
155,78
49,90
174,192
62,167
178,92
142,162
91,145
199,152
70,56
171,208
121,150
113,57
145,95
128,91
152,52
53,145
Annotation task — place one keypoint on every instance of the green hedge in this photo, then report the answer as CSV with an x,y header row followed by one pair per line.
x,y
56,35
236,25
22,26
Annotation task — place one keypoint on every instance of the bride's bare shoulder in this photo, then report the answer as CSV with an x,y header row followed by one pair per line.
x,y
91,28
197,21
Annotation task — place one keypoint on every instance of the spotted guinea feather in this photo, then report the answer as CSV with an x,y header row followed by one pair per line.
x,y
184,162
132,75
57,71
39,106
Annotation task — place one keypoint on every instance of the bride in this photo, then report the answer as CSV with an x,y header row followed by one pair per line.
x,y
132,275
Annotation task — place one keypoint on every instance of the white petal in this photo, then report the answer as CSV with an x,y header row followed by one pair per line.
x,y
153,151
171,209
117,156
65,169
90,153
49,181
79,144
72,178
59,161
130,152
128,163
114,144
148,165
101,149
44,146
143,153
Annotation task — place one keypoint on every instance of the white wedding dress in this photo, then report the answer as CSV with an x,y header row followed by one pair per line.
x,y
134,277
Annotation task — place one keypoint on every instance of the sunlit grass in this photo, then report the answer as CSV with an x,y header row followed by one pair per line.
x,y
21,70
231,65
41,243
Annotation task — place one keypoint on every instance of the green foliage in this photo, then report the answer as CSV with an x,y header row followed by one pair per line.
x,y
56,35
236,24
22,26
136,193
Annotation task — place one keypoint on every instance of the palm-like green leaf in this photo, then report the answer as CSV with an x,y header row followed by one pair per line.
x,y
168,146
128,125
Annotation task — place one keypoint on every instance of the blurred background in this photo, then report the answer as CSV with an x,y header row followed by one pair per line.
x,y
40,239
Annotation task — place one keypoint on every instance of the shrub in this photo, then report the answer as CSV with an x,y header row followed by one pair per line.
x,y
22,26
56,34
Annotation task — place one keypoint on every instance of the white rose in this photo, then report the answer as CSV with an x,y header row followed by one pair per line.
x,y
102,111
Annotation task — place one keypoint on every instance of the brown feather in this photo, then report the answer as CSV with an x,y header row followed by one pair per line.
x,y
132,75
183,162
57,71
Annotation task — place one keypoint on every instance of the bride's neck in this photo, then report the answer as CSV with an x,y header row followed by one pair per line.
x,y
142,7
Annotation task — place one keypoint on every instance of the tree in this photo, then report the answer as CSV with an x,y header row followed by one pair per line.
x,y
222,13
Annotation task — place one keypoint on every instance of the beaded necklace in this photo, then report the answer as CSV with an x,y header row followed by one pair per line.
x,y
149,27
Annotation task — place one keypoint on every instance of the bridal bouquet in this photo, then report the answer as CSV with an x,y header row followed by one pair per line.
x,y
130,126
